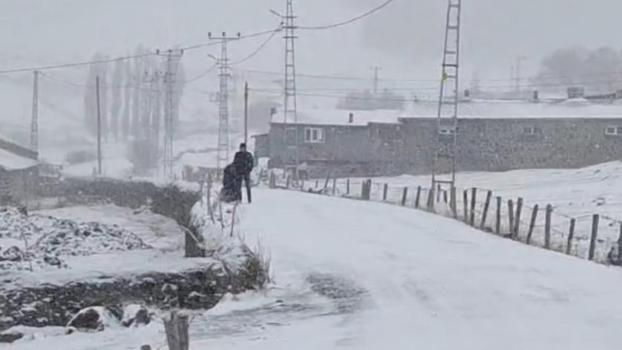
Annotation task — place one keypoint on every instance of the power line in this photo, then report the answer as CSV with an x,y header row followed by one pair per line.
x,y
260,48
351,20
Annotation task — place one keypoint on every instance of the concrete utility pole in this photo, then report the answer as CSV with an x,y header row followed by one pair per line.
x,y
224,74
172,62
34,122
376,78
99,128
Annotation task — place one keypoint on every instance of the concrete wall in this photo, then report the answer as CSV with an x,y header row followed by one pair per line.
x,y
503,144
483,145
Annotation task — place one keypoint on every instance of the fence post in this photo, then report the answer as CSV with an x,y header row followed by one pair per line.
x,y
176,328
619,258
430,203
511,216
334,186
473,202
486,206
445,199
438,192
519,209
348,186
465,202
547,227
385,191
272,181
498,222
317,183
453,205
404,196
532,223
288,181
595,221
570,236
418,197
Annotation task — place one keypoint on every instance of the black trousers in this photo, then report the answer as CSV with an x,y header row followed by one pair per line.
x,y
247,182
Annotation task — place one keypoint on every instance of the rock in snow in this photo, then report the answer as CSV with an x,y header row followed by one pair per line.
x,y
94,318
135,315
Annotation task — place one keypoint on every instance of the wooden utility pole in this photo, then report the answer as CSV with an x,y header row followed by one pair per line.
x,y
99,128
246,113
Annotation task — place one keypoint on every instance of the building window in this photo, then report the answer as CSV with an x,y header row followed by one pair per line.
x,y
613,130
447,130
530,130
314,135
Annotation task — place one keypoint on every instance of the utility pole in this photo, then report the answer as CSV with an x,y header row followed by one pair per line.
x,y
99,128
376,79
246,113
445,156
172,62
222,156
34,122
290,108
518,77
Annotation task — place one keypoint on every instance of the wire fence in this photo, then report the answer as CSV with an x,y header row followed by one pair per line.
x,y
594,237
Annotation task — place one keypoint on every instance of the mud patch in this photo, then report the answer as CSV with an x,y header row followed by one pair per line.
x,y
347,296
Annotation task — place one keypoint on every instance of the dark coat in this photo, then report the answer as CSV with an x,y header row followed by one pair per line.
x,y
244,162
230,184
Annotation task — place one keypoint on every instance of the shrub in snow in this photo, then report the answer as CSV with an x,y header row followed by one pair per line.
x,y
95,318
10,336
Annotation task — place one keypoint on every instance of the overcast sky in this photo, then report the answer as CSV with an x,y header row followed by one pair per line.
x,y
405,38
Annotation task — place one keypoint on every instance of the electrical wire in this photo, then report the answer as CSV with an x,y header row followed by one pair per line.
x,y
349,21
260,48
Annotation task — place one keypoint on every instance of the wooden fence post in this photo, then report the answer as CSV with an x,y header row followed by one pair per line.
x,y
473,202
438,192
486,206
404,196
430,203
532,223
570,236
288,181
511,216
595,221
334,186
498,221
465,202
547,227
317,183
348,186
445,199
619,258
385,191
418,197
519,209
176,328
272,181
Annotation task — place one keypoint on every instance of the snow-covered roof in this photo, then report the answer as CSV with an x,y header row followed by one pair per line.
x,y
10,161
474,109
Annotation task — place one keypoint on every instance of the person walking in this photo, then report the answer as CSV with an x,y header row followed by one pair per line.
x,y
244,163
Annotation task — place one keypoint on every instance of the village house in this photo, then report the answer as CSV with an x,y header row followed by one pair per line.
x,y
18,172
493,136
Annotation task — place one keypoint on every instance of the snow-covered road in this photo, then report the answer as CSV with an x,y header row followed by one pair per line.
x,y
363,275
433,283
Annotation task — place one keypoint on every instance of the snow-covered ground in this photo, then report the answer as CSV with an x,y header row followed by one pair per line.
x,y
363,275
573,193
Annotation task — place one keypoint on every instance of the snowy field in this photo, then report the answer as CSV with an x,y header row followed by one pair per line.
x,y
573,193
362,275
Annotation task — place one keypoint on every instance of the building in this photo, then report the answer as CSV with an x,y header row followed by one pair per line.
x,y
493,136
18,172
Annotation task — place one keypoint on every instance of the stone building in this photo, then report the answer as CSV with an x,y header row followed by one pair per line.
x,y
383,143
